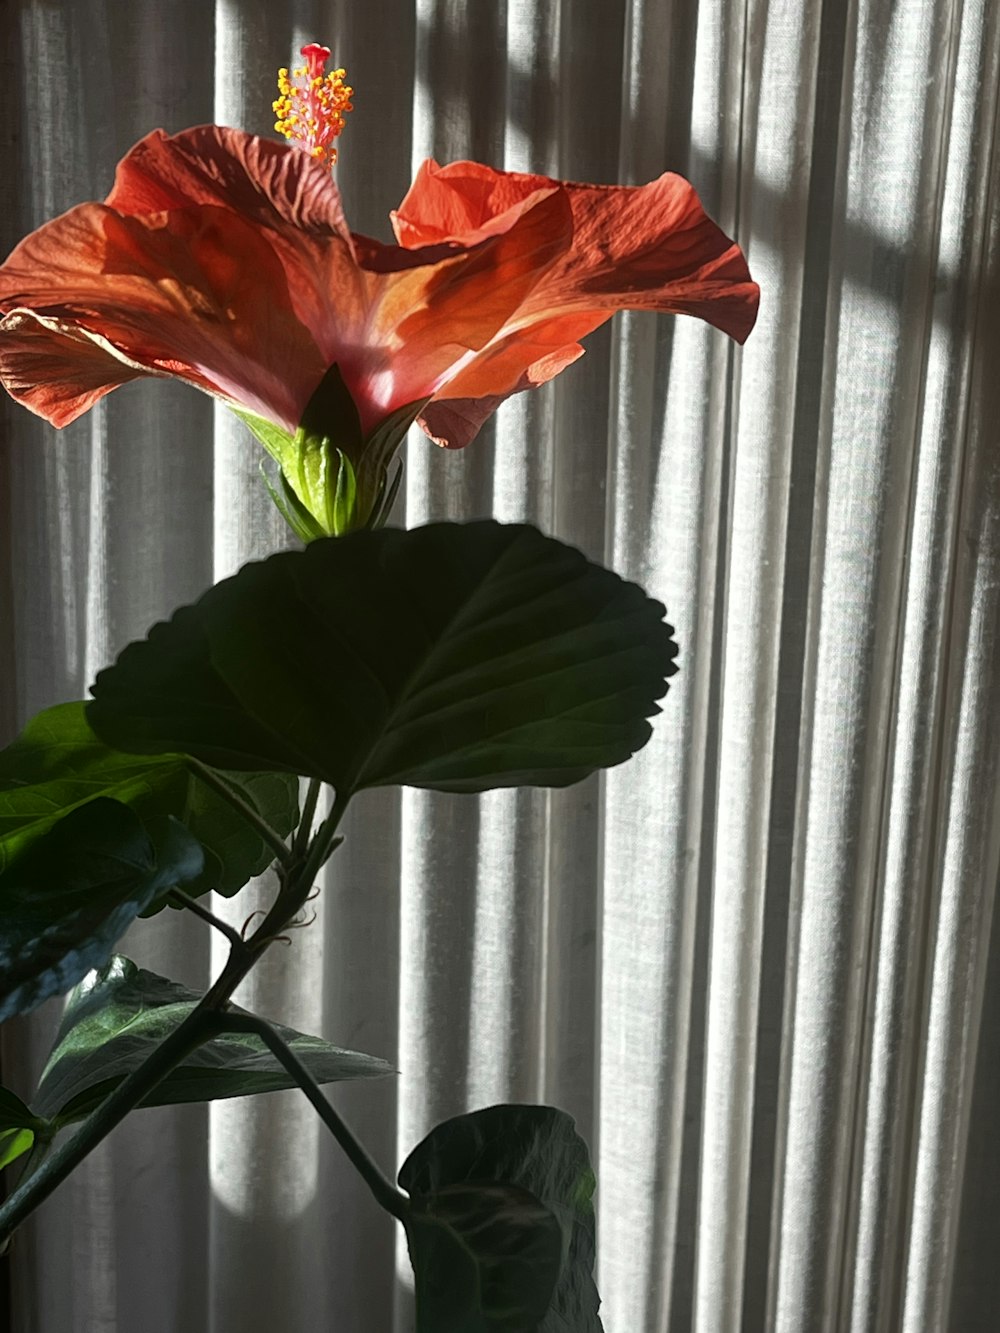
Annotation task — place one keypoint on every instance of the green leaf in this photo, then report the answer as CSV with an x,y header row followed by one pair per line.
x,y
57,764
485,1258
524,1162
380,449
291,508
345,497
117,1015
13,1112
455,657
18,1126
332,414
278,443
75,890
14,1143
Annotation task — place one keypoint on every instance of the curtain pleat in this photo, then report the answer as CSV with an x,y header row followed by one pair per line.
x,y
757,963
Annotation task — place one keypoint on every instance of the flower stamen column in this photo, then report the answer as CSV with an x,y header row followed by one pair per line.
x,y
311,105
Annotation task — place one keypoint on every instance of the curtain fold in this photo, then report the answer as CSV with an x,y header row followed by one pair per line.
x,y
758,963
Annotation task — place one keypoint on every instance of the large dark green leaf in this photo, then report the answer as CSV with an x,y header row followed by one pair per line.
x,y
535,1153
67,899
116,1016
457,657
57,763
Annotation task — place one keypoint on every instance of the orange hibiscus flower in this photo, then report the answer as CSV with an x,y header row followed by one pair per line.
x,y
225,260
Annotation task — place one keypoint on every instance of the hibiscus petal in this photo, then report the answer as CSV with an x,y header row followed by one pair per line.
x,y
521,359
199,294
455,422
263,182
281,189
284,191
59,373
463,202
649,247
427,321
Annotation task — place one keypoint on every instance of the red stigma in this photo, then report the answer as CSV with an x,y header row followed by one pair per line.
x,y
316,57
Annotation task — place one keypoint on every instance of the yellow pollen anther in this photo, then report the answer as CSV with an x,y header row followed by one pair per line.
x,y
310,110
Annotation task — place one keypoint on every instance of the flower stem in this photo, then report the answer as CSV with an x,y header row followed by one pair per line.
x,y
385,1193
222,788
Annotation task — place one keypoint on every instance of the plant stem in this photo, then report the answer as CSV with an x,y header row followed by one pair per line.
x,y
386,1194
200,1026
325,840
301,840
219,785
299,883
181,899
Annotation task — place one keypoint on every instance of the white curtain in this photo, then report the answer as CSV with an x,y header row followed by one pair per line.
x,y
755,963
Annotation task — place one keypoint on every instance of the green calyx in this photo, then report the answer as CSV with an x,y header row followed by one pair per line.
x,y
333,480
